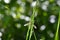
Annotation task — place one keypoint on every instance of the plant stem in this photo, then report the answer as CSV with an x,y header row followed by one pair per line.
x,y
56,36
35,36
32,23
30,27
28,32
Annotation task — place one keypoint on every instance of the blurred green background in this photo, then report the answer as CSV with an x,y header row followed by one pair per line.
x,y
15,14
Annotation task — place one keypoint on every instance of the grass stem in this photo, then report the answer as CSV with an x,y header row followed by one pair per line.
x,y
56,36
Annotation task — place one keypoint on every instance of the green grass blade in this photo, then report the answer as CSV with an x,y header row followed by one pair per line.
x,y
56,36
35,36
32,24
28,33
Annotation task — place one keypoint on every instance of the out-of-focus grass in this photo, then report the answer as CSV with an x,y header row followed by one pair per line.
x,y
16,13
57,31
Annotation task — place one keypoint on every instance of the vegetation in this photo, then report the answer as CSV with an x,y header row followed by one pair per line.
x,y
29,19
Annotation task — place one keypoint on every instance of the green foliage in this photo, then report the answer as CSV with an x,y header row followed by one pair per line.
x,y
29,20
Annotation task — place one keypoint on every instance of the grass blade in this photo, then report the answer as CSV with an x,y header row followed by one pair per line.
x,y
56,36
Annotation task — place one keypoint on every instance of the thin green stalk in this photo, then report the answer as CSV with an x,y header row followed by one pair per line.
x,y
35,36
56,36
32,24
30,27
28,33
